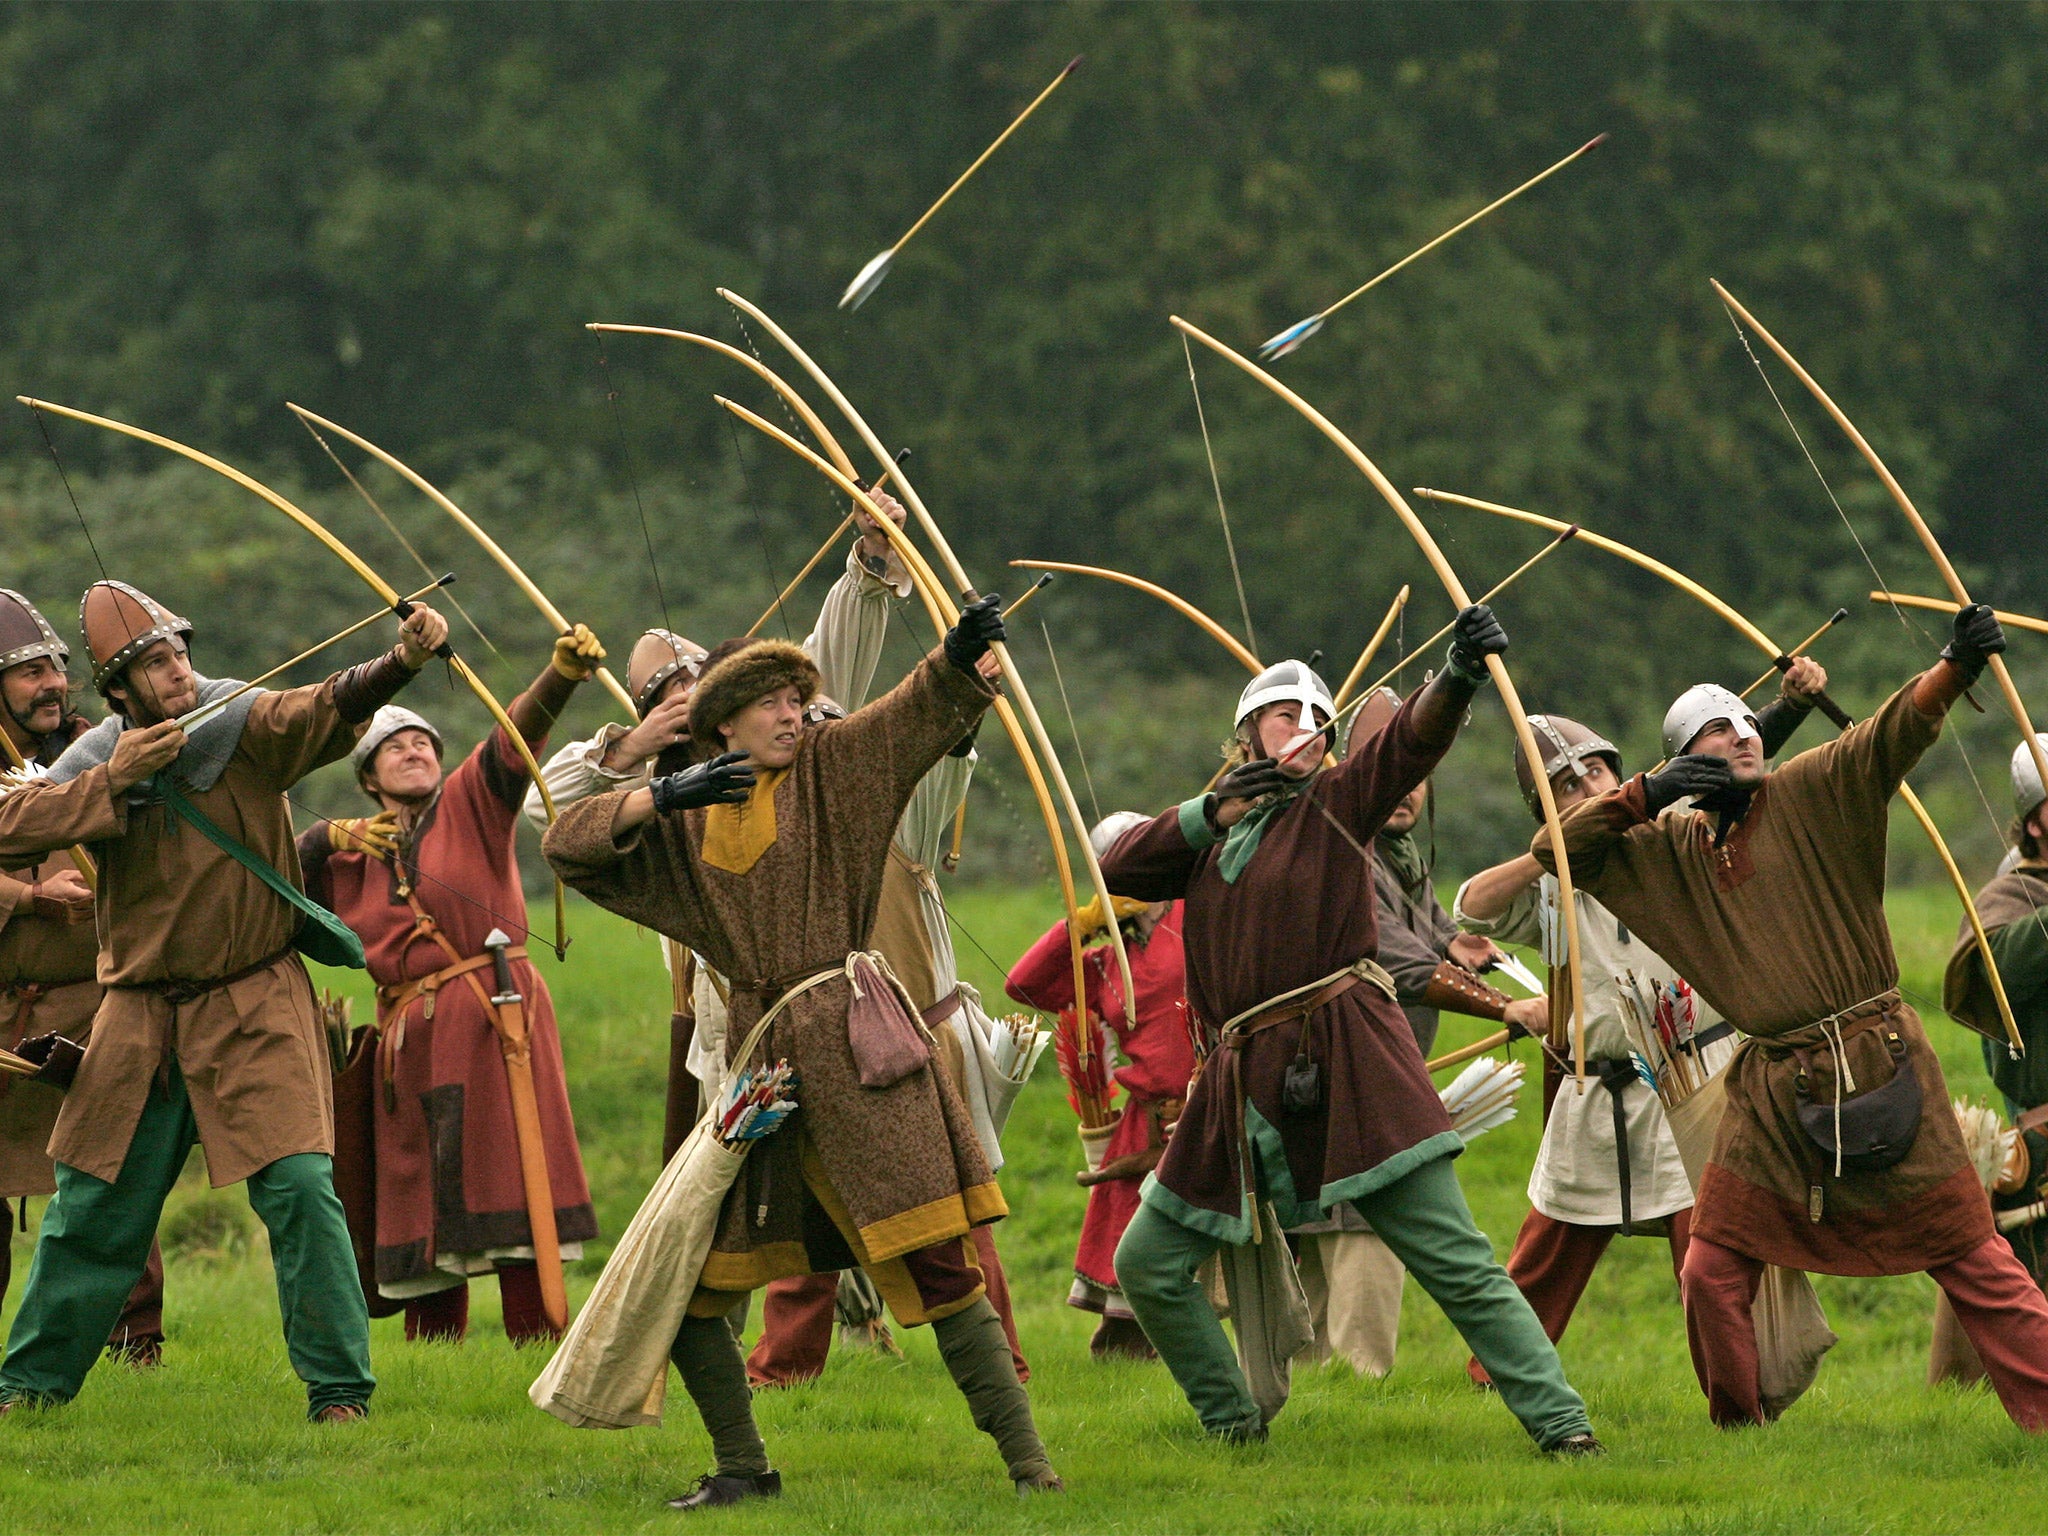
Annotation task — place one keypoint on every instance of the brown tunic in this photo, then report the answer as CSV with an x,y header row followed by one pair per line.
x,y
47,954
173,908
1781,927
1302,909
903,1163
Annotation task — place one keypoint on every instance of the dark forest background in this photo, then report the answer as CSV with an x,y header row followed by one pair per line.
x,y
402,215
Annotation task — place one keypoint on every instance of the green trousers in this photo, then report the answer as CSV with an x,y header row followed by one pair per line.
x,y
95,1240
1423,1217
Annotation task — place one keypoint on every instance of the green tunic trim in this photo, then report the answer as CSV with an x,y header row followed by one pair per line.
x,y
1269,1155
1194,823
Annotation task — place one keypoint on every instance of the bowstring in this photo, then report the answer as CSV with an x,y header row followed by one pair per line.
x,y
760,527
1216,480
398,534
611,394
1073,729
1910,624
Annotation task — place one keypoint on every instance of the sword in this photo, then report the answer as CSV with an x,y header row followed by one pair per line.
x,y
517,1045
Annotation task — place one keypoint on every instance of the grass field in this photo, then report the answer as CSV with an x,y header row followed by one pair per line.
x,y
215,1441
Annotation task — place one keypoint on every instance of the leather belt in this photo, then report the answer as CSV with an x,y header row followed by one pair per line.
x,y
177,993
943,1009
1297,1003
2033,1120
399,997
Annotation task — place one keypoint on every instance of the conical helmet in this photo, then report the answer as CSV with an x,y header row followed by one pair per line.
x,y
120,622
1374,716
2026,778
25,634
1287,682
1564,744
658,656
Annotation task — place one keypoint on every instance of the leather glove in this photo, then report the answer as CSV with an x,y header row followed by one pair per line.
x,y
377,835
577,653
1476,635
1697,773
980,622
1248,781
722,781
1978,637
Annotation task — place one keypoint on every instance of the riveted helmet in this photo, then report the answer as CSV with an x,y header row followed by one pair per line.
x,y
1566,746
119,623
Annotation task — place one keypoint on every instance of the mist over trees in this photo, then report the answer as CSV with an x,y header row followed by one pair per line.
x,y
403,215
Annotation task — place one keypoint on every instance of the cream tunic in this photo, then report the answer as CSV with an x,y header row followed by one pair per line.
x,y
1577,1177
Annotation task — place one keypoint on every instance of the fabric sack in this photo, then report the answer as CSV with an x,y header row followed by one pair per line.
x,y
1870,1131
887,1037
1792,1333
1269,1311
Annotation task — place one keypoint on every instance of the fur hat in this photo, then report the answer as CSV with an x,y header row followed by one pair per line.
x,y
730,682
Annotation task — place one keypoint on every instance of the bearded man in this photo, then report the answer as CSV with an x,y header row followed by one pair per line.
x,y
768,859
208,1031
424,883
48,953
1836,1153
1608,1165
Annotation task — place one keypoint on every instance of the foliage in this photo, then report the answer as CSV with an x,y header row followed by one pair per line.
x,y
453,1445
403,215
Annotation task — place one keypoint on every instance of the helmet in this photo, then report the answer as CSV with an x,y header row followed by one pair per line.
x,y
25,634
2026,779
1287,682
658,656
385,724
1113,826
1699,707
119,623
1564,744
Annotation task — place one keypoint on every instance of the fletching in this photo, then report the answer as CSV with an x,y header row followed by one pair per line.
x,y
867,280
1290,338
1482,1096
1520,974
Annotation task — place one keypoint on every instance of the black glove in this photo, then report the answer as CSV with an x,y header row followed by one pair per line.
x,y
1248,781
980,622
1978,637
1475,636
1697,773
722,781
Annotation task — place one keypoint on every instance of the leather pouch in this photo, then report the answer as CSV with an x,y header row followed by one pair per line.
x,y
56,1059
1878,1127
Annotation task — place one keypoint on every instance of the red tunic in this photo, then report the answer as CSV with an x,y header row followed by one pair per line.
x,y
1160,1058
446,1152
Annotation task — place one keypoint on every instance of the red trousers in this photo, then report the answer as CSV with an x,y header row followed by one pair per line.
x,y
1553,1262
444,1315
797,1314
1995,1300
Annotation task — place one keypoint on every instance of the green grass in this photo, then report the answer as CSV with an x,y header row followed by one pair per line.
x,y
214,1441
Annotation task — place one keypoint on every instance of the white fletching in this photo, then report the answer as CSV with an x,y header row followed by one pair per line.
x,y
867,280
1985,1138
1519,973
1483,1096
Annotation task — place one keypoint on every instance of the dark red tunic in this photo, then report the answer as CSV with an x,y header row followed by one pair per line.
x,y
446,1153
1302,909
1160,1058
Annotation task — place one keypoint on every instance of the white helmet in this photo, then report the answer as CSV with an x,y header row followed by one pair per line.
x,y
2026,778
1111,827
1288,682
1699,707
385,724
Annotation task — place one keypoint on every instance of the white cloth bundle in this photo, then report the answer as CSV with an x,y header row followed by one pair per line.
x,y
611,1369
